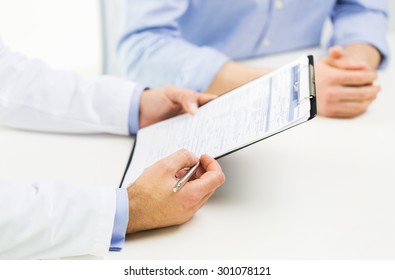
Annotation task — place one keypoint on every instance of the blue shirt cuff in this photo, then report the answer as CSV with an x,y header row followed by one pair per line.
x,y
371,30
134,111
120,220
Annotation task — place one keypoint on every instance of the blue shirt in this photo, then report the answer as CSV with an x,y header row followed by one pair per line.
x,y
186,42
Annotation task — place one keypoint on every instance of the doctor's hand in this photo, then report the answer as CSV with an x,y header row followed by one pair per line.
x,y
344,82
152,202
162,103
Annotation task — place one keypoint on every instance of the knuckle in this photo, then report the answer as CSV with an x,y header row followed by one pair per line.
x,y
184,151
368,94
376,89
373,95
356,111
374,76
359,109
223,178
165,165
329,95
337,78
220,179
186,154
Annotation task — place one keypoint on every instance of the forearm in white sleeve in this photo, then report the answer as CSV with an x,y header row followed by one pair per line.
x,y
54,220
34,96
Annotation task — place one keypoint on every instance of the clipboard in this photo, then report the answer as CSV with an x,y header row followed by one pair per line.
x,y
279,97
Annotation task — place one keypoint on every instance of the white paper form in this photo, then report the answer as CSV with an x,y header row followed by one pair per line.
x,y
247,114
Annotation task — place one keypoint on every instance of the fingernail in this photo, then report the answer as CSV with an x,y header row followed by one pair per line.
x,y
194,108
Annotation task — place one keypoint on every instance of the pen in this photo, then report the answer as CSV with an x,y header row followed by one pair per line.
x,y
186,177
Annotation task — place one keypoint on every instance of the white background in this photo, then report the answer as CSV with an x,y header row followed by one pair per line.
x,y
66,34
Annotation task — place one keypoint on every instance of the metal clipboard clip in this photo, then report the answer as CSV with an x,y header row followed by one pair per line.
x,y
296,83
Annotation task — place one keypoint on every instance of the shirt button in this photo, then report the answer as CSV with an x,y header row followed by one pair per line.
x,y
279,4
266,42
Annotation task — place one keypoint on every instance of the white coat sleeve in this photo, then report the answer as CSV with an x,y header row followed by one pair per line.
x,y
53,220
34,96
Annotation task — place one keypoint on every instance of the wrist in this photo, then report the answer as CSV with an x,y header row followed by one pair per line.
x,y
135,223
131,223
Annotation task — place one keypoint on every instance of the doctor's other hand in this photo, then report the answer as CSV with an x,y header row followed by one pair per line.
x,y
345,86
162,103
152,202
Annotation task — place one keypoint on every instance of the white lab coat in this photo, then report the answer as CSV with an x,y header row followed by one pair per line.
x,y
52,220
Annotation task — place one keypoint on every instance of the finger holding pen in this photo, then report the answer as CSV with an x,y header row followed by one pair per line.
x,y
210,175
186,177
153,204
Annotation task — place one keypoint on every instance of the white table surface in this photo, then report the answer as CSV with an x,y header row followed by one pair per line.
x,y
322,190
